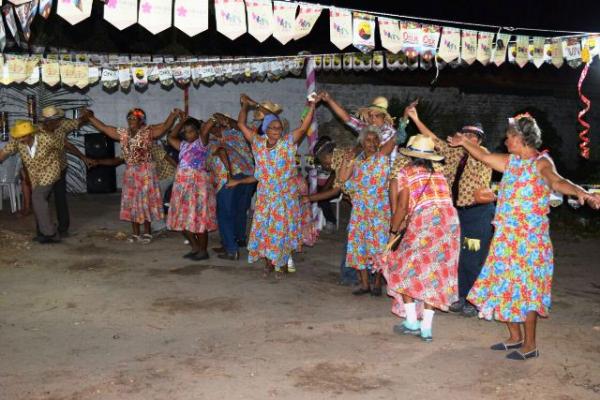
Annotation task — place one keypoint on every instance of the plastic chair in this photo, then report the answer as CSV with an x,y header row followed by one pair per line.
x,y
9,181
337,202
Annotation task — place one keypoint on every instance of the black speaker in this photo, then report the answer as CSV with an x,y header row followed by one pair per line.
x,y
98,145
101,179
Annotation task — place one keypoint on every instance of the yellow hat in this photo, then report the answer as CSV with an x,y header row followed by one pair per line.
x,y
421,146
273,108
52,112
22,128
380,106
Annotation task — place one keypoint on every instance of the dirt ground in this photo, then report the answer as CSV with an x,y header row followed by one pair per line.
x,y
97,318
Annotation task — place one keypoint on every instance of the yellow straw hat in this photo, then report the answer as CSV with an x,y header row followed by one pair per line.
x,y
52,112
22,128
379,105
421,146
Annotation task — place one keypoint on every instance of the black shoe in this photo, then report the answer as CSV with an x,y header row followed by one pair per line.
x,y
190,254
37,238
200,256
458,306
469,310
48,239
230,256
506,346
219,250
360,291
241,243
64,234
518,356
376,292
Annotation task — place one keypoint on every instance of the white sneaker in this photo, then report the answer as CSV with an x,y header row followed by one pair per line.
x,y
291,266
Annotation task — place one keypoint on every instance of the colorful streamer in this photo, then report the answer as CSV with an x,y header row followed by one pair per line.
x,y
584,146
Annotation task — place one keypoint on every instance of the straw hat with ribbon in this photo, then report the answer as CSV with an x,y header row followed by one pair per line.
x,y
271,107
22,128
52,112
378,105
421,146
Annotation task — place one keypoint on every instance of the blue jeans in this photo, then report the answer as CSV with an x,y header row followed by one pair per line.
x,y
348,276
232,208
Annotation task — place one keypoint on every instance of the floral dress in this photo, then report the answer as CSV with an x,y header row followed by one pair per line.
x,y
140,194
517,275
306,227
193,204
425,264
274,222
370,219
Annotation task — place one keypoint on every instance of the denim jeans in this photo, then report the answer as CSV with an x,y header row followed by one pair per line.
x,y
232,208
348,276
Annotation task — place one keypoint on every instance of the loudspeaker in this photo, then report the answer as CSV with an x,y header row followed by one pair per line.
x,y
101,179
98,145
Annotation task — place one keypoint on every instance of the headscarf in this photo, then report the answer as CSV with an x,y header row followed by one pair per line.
x,y
267,121
139,114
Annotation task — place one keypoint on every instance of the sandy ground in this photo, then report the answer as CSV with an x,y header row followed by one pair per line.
x,y
98,318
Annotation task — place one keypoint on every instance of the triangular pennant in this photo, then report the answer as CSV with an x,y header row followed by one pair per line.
x,y
50,72
82,75
557,53
45,8
389,32
124,77
11,22
450,44
468,52
140,76
572,52
363,37
191,16
67,74
484,47
121,13
19,2
231,18
522,45
306,19
74,11
17,69
155,15
284,18
34,76
500,48
411,43
430,37
378,60
340,27
93,75
260,18
25,13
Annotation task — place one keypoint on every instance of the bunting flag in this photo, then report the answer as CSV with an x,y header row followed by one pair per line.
x,y
74,11
82,75
336,62
484,47
340,27
430,37
2,38
34,76
140,77
284,19
120,13
411,44
260,18
191,16
306,19
389,32
18,2
45,7
17,70
500,48
450,44
50,72
557,53
231,18
25,13
468,52
537,51
11,22
522,50
363,37
378,60
155,15
572,52
327,62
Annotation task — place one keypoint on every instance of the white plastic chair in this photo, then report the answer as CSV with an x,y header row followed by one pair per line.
x,y
9,181
337,202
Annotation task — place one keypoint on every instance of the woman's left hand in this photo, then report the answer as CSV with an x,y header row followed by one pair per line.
x,y
593,199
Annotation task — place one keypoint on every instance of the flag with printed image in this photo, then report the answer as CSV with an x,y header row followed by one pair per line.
x,y
284,20
305,21
260,18
74,11
155,15
449,44
121,13
389,32
191,16
340,27
485,41
522,50
468,51
500,48
11,22
363,37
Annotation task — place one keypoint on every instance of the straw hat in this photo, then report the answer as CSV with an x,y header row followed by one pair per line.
x,y
52,112
380,105
22,128
421,146
271,107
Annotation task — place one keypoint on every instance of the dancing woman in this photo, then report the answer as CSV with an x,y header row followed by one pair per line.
x,y
140,195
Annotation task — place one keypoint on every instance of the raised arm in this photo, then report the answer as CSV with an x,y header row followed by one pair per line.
x,y
246,103
108,130
495,161
411,112
207,126
298,134
173,138
335,107
71,148
159,130
559,184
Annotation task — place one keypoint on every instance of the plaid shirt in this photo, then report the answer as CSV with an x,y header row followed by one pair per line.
x,y
164,169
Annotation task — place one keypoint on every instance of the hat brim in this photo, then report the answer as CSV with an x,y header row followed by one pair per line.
x,y
19,135
419,154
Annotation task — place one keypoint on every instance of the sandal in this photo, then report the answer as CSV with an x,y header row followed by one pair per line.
x,y
267,269
146,238
133,239
517,355
506,346
279,274
360,291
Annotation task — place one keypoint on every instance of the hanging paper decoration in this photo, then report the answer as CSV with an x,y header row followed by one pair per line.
x,y
121,13
484,47
378,60
537,50
389,32
109,78
317,62
500,48
191,16
340,27
430,37
155,15
50,72
260,18
284,18
468,52
584,146
411,43
67,73
165,76
2,38
348,62
182,74
124,77
93,75
327,62
392,61
308,15
25,13
34,76
363,37
11,22
140,76
17,69
81,73
45,7
522,50
336,62
18,2
74,11
557,53
572,52
450,44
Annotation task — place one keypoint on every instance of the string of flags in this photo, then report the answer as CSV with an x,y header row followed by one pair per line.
x,y
412,43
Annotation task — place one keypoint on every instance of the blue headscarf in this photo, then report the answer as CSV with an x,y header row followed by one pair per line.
x,y
267,121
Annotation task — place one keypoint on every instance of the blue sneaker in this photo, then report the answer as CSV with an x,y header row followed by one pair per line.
x,y
408,328
426,335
